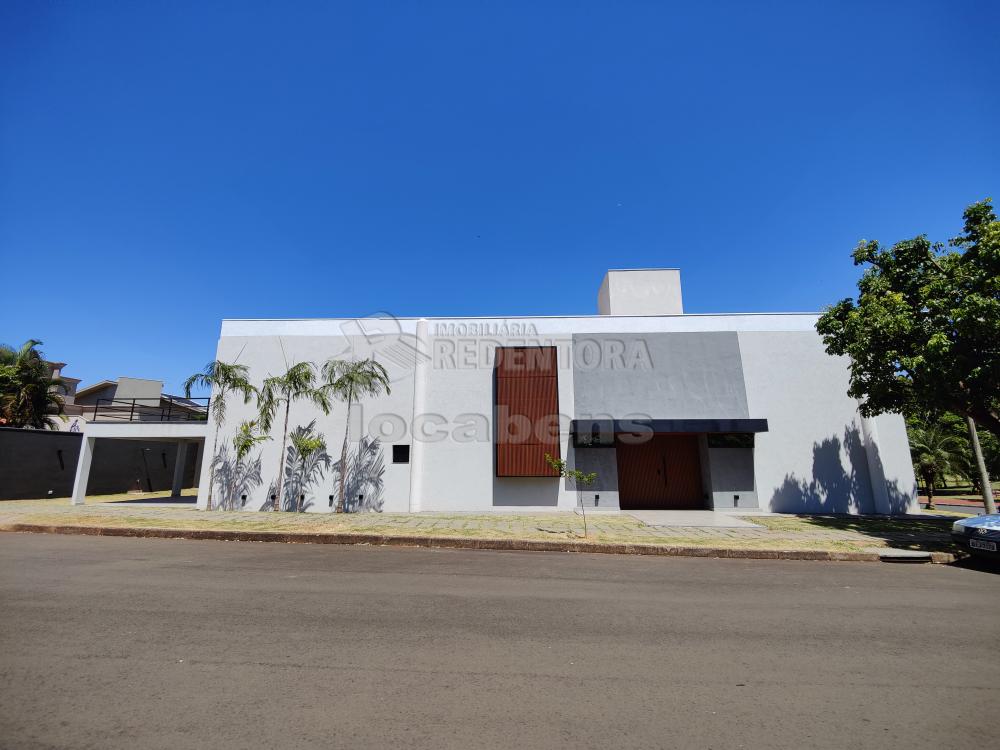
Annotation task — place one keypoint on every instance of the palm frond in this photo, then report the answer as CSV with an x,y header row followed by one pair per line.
x,y
349,380
298,382
29,395
246,438
306,462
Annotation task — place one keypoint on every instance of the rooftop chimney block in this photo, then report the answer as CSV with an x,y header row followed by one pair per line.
x,y
641,291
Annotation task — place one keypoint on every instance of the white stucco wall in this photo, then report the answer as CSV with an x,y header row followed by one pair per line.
x,y
813,458
893,456
645,291
459,474
268,355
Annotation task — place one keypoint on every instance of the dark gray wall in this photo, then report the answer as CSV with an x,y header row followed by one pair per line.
x,y
30,464
731,475
661,375
602,461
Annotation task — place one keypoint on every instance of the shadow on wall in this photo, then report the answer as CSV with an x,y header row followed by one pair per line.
x,y
364,482
832,489
234,480
300,475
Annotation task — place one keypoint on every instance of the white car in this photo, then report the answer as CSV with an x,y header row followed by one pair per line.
x,y
979,535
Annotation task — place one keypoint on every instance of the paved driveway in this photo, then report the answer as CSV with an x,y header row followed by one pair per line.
x,y
134,643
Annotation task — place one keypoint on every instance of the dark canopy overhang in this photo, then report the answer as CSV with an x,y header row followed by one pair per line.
x,y
617,426
600,433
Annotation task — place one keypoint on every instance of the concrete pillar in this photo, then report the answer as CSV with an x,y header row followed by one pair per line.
x,y
198,463
422,362
178,483
205,472
83,470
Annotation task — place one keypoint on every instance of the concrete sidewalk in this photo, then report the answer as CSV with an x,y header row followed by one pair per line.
x,y
695,519
768,536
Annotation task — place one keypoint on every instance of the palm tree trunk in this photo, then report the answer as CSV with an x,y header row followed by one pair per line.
x,y
343,459
302,479
929,482
281,459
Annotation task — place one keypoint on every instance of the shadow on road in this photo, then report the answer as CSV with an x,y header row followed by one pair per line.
x,y
979,564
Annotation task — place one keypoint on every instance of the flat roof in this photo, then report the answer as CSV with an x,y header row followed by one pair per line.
x,y
540,325
621,270
535,317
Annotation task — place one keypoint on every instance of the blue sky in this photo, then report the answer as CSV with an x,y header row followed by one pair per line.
x,y
167,165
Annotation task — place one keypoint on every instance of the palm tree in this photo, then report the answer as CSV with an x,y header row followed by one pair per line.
x,y
935,452
310,456
365,476
238,477
298,382
246,438
29,395
348,381
221,379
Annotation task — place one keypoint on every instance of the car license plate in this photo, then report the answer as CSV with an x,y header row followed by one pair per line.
x,y
980,544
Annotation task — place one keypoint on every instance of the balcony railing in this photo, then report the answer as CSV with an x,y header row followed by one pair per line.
x,y
162,409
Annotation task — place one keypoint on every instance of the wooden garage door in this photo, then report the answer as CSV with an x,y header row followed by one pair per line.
x,y
662,473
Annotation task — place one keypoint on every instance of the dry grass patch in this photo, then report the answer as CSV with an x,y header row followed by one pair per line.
x,y
855,524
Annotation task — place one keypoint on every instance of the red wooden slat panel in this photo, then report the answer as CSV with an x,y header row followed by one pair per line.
x,y
531,391
524,461
527,411
525,361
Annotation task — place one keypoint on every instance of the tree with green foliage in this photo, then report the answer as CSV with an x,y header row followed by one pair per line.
x,y
923,334
991,457
956,425
936,451
349,380
29,395
222,379
246,438
577,477
235,478
297,383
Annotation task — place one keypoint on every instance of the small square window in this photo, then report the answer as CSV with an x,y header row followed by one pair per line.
x,y
401,454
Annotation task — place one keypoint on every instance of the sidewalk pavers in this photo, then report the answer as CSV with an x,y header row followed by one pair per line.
x,y
770,536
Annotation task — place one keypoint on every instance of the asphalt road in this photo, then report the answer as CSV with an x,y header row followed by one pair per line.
x,y
133,643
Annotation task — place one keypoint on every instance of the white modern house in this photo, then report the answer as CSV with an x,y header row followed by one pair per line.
x,y
730,411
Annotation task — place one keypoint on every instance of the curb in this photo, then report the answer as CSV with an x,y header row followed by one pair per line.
x,y
528,545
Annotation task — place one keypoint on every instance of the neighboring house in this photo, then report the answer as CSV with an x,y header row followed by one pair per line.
x,y
134,399
73,414
727,411
43,463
